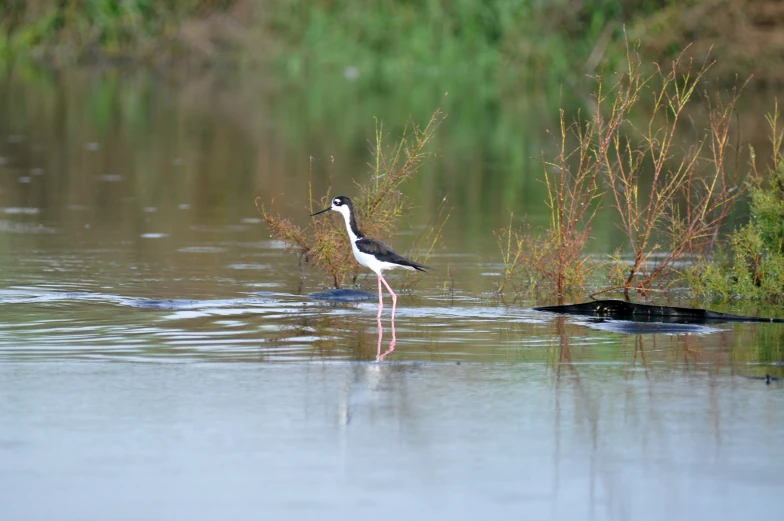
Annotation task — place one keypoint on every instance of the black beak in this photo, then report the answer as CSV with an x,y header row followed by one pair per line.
x,y
322,211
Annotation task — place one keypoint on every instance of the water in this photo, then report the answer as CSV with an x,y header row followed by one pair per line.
x,y
428,440
160,357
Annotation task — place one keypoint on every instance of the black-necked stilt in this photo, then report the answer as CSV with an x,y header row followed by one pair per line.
x,y
371,253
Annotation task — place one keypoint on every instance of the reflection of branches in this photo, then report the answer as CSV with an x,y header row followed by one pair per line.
x,y
639,402
564,353
639,349
580,396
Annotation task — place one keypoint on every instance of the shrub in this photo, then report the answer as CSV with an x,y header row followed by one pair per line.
x,y
379,206
670,202
752,265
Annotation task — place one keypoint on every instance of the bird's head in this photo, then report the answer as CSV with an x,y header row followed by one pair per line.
x,y
340,204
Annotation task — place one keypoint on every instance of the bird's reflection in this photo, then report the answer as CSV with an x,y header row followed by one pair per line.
x,y
379,355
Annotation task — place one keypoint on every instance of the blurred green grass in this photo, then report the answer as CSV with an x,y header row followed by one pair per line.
x,y
494,44
65,32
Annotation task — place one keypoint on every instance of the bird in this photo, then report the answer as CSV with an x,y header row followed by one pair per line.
x,y
371,253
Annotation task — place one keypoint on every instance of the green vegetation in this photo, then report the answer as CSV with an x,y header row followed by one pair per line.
x,y
491,43
69,31
496,45
379,206
670,201
486,42
556,257
752,264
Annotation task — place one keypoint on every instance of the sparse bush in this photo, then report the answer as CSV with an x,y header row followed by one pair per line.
x,y
670,203
379,205
752,264
691,191
556,257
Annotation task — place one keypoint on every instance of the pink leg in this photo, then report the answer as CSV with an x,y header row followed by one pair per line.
x,y
380,300
394,297
378,347
393,334
379,355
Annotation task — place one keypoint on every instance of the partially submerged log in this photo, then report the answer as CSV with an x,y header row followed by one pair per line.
x,y
622,310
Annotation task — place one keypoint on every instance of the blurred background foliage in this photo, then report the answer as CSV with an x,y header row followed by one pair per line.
x,y
251,97
497,44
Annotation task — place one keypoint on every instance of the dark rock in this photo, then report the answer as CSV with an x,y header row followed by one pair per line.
x,y
343,295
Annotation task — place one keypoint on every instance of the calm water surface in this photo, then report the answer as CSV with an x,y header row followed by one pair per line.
x,y
160,357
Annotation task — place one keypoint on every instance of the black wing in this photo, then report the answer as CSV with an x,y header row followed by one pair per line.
x,y
386,254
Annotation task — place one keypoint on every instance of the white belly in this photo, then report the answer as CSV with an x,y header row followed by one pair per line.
x,y
373,263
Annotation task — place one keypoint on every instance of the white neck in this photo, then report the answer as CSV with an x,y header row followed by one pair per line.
x,y
346,213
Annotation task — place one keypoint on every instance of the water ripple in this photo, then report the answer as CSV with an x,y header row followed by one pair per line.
x,y
49,321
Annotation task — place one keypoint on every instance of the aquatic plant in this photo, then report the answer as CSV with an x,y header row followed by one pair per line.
x,y
670,202
379,205
752,263
556,257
